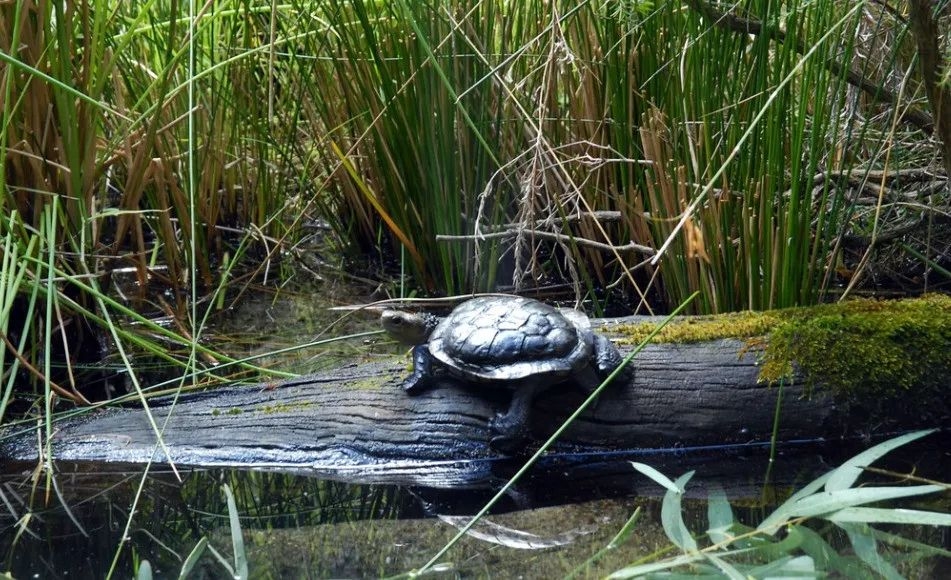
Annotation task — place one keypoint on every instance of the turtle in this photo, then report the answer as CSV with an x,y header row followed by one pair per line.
x,y
506,342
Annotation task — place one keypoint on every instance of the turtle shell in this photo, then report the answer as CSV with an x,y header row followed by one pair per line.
x,y
508,339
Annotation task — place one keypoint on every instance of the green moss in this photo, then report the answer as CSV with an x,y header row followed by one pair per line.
x,y
369,383
878,346
704,328
284,408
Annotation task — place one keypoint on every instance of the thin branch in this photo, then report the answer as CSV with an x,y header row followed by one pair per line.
x,y
511,233
600,215
860,173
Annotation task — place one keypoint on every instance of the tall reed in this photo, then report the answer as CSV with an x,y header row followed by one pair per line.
x,y
94,125
534,112
491,144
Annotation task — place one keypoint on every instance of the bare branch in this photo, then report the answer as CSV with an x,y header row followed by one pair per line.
x,y
512,233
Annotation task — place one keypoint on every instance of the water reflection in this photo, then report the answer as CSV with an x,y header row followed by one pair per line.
x,y
73,528
297,525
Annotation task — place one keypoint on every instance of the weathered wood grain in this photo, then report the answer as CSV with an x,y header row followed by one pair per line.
x,y
359,418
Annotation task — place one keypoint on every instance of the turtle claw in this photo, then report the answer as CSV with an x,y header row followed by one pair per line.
x,y
506,445
508,436
414,384
606,356
412,387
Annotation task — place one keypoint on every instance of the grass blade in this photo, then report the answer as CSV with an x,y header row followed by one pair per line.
x,y
866,548
826,502
193,557
890,516
237,537
719,516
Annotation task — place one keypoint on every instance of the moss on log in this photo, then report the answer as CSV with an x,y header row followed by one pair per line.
x,y
886,366
863,347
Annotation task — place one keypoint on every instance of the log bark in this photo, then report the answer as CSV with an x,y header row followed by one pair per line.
x,y
358,420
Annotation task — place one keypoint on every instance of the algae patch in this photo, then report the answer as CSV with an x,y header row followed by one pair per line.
x,y
285,407
368,384
875,346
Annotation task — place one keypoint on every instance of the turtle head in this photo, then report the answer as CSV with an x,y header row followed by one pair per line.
x,y
410,328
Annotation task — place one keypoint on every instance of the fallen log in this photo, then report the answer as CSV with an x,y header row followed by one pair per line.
x,y
696,387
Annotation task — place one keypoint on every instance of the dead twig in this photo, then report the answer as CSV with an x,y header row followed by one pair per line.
x,y
74,396
553,236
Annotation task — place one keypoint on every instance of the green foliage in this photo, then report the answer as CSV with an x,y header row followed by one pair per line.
x,y
738,551
123,179
387,98
506,121
96,116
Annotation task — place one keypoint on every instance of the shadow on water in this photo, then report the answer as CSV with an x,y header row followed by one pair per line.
x,y
298,525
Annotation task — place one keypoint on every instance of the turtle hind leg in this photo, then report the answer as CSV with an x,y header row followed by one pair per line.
x,y
607,358
588,378
511,428
422,374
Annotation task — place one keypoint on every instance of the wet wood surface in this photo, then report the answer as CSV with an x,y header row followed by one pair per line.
x,y
680,395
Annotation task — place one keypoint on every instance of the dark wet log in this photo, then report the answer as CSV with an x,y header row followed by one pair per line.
x,y
358,418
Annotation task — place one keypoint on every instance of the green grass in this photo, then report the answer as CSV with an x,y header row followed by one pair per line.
x,y
114,174
473,140
471,133
156,164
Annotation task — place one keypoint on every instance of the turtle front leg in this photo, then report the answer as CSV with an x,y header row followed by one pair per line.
x,y
419,380
512,427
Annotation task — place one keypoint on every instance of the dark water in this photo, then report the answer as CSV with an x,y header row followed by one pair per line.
x,y
294,525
